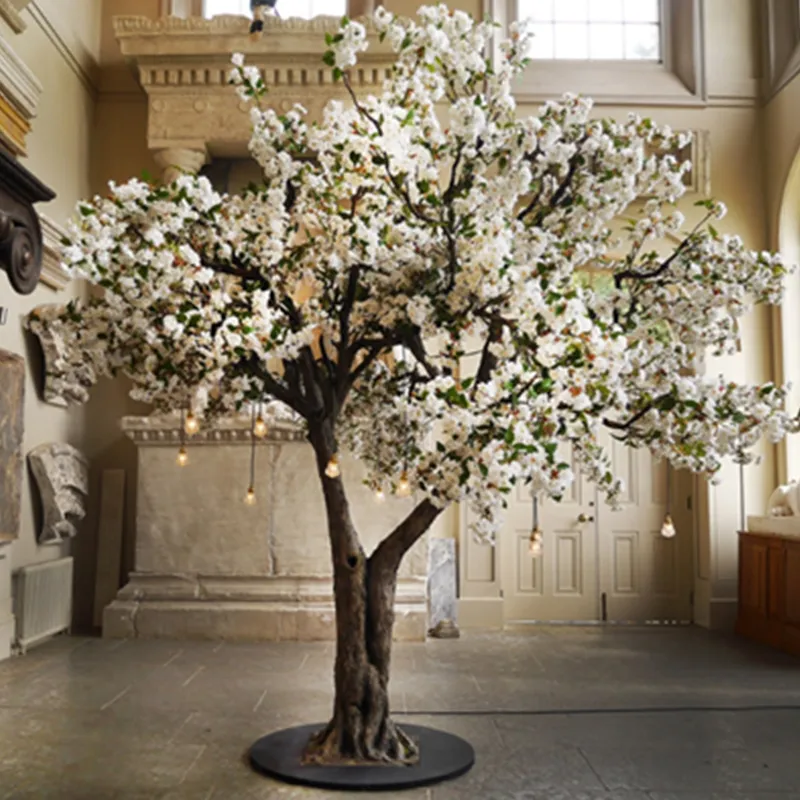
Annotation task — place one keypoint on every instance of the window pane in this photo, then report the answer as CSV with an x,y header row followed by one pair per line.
x,y
330,8
606,41
542,44
605,11
572,40
641,11
572,10
536,10
642,42
212,8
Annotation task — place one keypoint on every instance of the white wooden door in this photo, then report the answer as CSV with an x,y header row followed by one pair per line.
x,y
560,584
598,564
643,576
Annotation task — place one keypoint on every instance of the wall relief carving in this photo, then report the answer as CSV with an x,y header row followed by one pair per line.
x,y
61,472
58,390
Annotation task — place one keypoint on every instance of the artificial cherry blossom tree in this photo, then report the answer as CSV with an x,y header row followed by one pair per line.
x,y
385,241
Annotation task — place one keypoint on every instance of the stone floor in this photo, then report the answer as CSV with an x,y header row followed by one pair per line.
x,y
553,713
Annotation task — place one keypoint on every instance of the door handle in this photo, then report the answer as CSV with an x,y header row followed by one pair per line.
x,y
584,518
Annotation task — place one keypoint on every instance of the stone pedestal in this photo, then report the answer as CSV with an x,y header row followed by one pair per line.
x,y
210,566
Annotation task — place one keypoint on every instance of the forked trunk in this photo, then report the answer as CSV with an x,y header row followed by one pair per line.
x,y
361,729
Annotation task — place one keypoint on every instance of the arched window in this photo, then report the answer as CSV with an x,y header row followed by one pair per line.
x,y
289,8
621,30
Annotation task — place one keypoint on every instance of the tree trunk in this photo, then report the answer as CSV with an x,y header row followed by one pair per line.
x,y
361,730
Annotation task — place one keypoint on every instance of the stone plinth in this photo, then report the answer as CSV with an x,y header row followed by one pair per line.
x,y
210,566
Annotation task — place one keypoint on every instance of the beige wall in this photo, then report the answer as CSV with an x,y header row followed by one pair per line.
x,y
781,137
100,111
58,50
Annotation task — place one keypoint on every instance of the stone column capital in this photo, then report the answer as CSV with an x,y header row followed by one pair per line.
x,y
175,161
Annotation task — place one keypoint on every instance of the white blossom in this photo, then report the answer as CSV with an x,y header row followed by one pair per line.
x,y
439,256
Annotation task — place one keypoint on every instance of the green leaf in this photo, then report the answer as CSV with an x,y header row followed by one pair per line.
x,y
329,58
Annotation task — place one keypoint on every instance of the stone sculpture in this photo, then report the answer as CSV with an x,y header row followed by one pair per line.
x,y
12,396
442,594
785,501
62,475
59,390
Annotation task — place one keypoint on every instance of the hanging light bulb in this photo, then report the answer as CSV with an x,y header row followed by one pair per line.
x,y
183,457
250,497
668,528
332,470
403,485
191,425
535,543
380,496
260,427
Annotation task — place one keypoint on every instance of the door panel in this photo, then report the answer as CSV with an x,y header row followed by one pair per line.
x,y
561,583
619,554
644,576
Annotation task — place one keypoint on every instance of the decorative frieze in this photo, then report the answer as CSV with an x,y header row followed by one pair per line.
x,y
166,431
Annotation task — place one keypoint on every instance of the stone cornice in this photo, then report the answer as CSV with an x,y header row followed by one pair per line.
x,y
17,82
184,64
165,431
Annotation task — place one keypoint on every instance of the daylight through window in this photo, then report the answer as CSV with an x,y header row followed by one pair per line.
x,y
289,8
594,29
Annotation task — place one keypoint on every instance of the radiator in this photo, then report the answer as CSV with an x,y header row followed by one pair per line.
x,y
42,601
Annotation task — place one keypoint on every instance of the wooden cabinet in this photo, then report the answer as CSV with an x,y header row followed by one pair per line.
x,y
769,590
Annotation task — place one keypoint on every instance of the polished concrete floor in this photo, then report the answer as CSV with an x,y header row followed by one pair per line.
x,y
553,713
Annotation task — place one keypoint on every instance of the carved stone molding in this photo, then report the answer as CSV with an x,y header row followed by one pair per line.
x,y
165,431
20,91
58,390
53,272
184,64
62,475
9,12
20,231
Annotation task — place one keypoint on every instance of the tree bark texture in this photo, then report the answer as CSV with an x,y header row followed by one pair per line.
x,y
361,730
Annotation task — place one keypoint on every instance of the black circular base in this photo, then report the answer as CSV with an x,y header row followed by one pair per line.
x,y
442,756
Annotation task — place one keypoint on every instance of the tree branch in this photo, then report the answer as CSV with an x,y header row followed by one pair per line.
x,y
389,553
417,348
